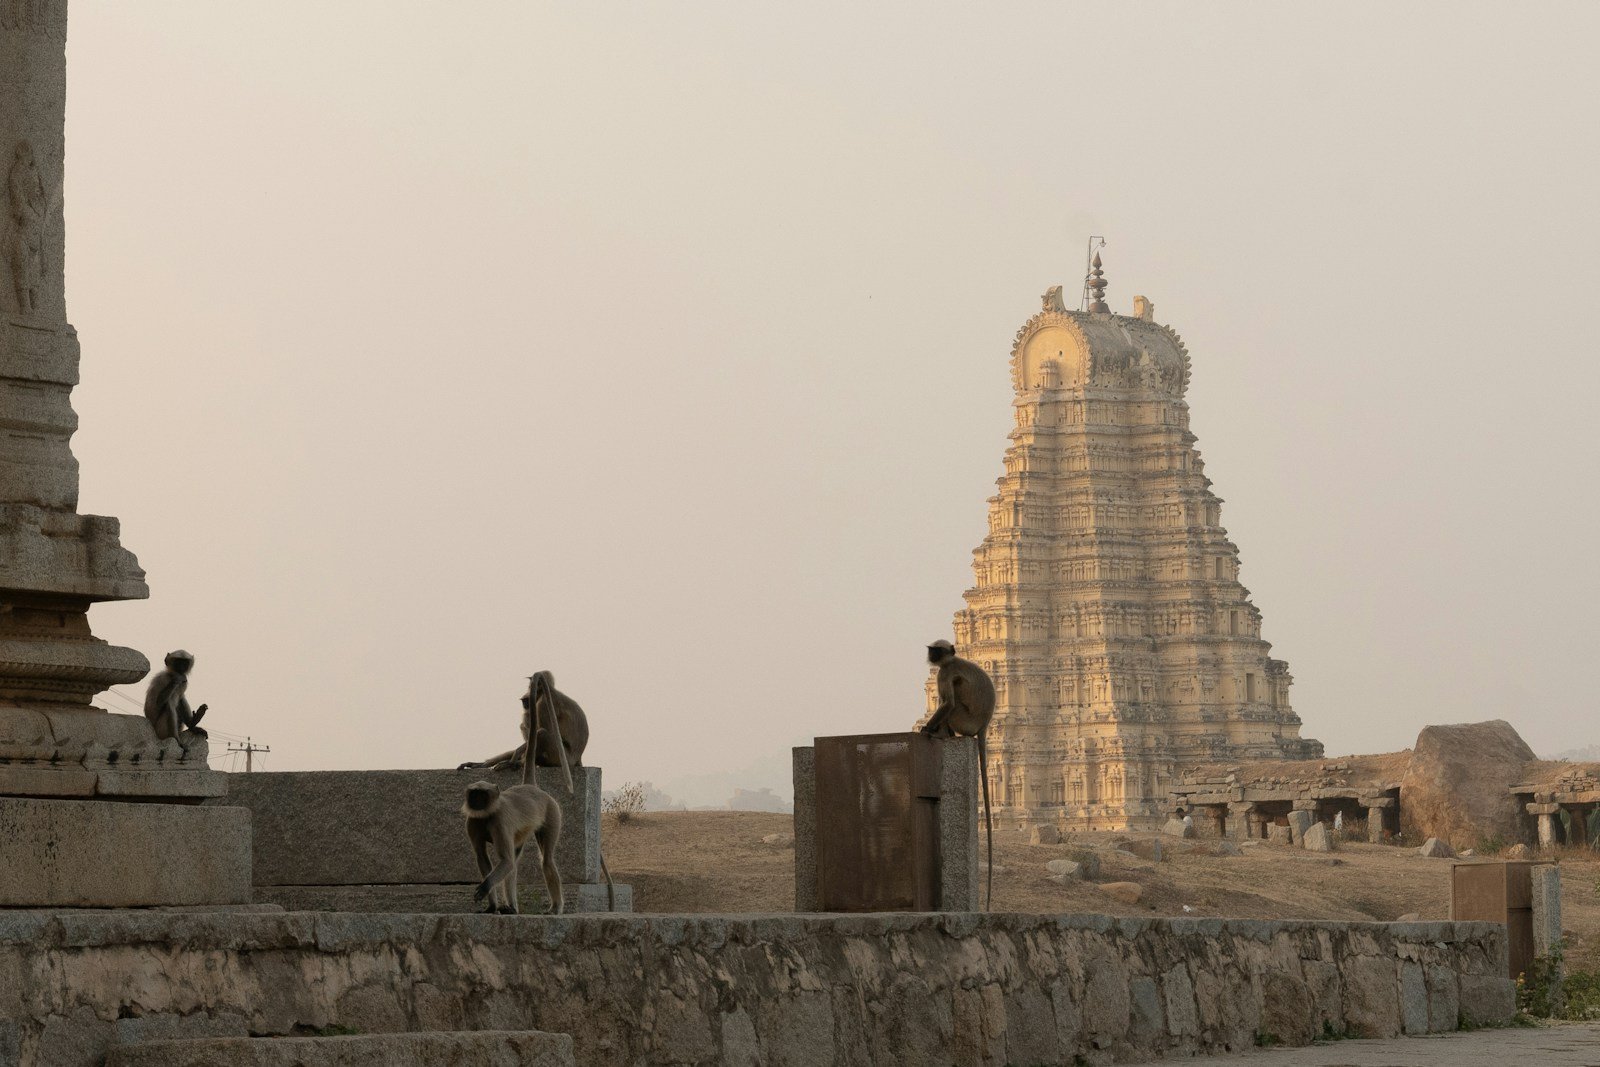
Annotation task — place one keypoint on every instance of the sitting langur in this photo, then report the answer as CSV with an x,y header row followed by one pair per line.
x,y
966,704
507,818
165,704
571,727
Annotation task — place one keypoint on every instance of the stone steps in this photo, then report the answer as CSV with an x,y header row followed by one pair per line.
x,y
462,1048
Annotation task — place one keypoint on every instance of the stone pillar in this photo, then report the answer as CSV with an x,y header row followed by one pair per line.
x,y
65,757
1375,825
1546,908
1216,820
1241,819
805,829
54,562
1546,815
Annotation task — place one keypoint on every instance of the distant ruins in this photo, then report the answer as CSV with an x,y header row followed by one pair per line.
x,y
1108,607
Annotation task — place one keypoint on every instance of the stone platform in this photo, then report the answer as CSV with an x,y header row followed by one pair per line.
x,y
491,1048
805,991
399,842
104,854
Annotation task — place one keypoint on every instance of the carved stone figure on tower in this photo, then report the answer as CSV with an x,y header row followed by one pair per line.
x,y
25,254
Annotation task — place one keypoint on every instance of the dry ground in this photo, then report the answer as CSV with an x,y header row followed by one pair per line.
x,y
715,861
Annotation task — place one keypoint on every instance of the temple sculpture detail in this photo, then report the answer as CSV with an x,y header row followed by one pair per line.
x,y
1108,607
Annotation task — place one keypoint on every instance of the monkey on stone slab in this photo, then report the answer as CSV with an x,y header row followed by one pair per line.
x,y
571,726
966,704
166,705
507,818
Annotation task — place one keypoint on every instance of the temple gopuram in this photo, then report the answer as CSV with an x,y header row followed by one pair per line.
x,y
1108,607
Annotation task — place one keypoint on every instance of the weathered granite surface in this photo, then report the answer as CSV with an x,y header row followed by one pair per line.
x,y
103,854
436,899
398,827
483,1048
922,989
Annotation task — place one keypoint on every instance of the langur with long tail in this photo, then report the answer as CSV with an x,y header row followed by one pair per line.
x,y
507,818
966,704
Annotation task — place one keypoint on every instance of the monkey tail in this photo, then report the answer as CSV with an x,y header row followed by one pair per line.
x,y
542,679
988,816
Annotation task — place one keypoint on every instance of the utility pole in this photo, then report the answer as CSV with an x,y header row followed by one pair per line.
x,y
249,748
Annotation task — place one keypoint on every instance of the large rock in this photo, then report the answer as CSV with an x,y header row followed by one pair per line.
x,y
1045,834
1434,849
1317,839
1178,828
1299,823
1457,787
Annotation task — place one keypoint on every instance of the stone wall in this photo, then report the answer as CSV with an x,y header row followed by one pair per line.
x,y
792,990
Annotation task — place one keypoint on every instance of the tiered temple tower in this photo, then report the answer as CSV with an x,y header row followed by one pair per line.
x,y
1108,607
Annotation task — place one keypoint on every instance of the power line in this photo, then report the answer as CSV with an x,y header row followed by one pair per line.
x,y
249,748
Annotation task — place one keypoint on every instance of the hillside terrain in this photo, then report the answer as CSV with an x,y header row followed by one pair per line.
x,y
716,861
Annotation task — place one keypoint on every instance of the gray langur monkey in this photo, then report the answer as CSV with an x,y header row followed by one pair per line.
x,y
165,703
571,727
966,704
506,818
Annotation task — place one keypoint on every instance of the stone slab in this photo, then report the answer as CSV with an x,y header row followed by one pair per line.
x,y
398,827
802,990
1564,1045
105,854
437,899
479,1048
1546,879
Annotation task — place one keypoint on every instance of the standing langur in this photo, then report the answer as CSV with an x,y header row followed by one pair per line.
x,y
165,703
966,704
506,818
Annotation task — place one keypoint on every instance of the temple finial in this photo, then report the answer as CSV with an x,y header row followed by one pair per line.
x,y
1096,287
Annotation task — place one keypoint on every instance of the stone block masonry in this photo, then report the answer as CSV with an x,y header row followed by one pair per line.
x,y
912,989
102,854
399,838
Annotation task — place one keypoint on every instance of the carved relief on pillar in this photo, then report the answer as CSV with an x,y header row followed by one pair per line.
x,y
26,208
34,16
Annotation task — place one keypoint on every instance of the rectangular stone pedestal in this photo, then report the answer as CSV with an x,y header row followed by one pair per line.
x,y
955,812
400,841
104,854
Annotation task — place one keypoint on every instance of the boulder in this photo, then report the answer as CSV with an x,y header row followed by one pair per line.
x,y
1410,917
1178,828
1435,849
1127,892
1088,863
1519,852
1065,870
1278,835
1317,839
1457,786
1044,835
1226,848
1299,823
781,840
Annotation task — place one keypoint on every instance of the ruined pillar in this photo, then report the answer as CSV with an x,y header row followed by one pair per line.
x,y
1242,820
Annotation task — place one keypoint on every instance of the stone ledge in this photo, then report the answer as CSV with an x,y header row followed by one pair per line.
x,y
480,1048
436,899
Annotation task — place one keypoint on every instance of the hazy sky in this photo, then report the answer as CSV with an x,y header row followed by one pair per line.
x,y
665,346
